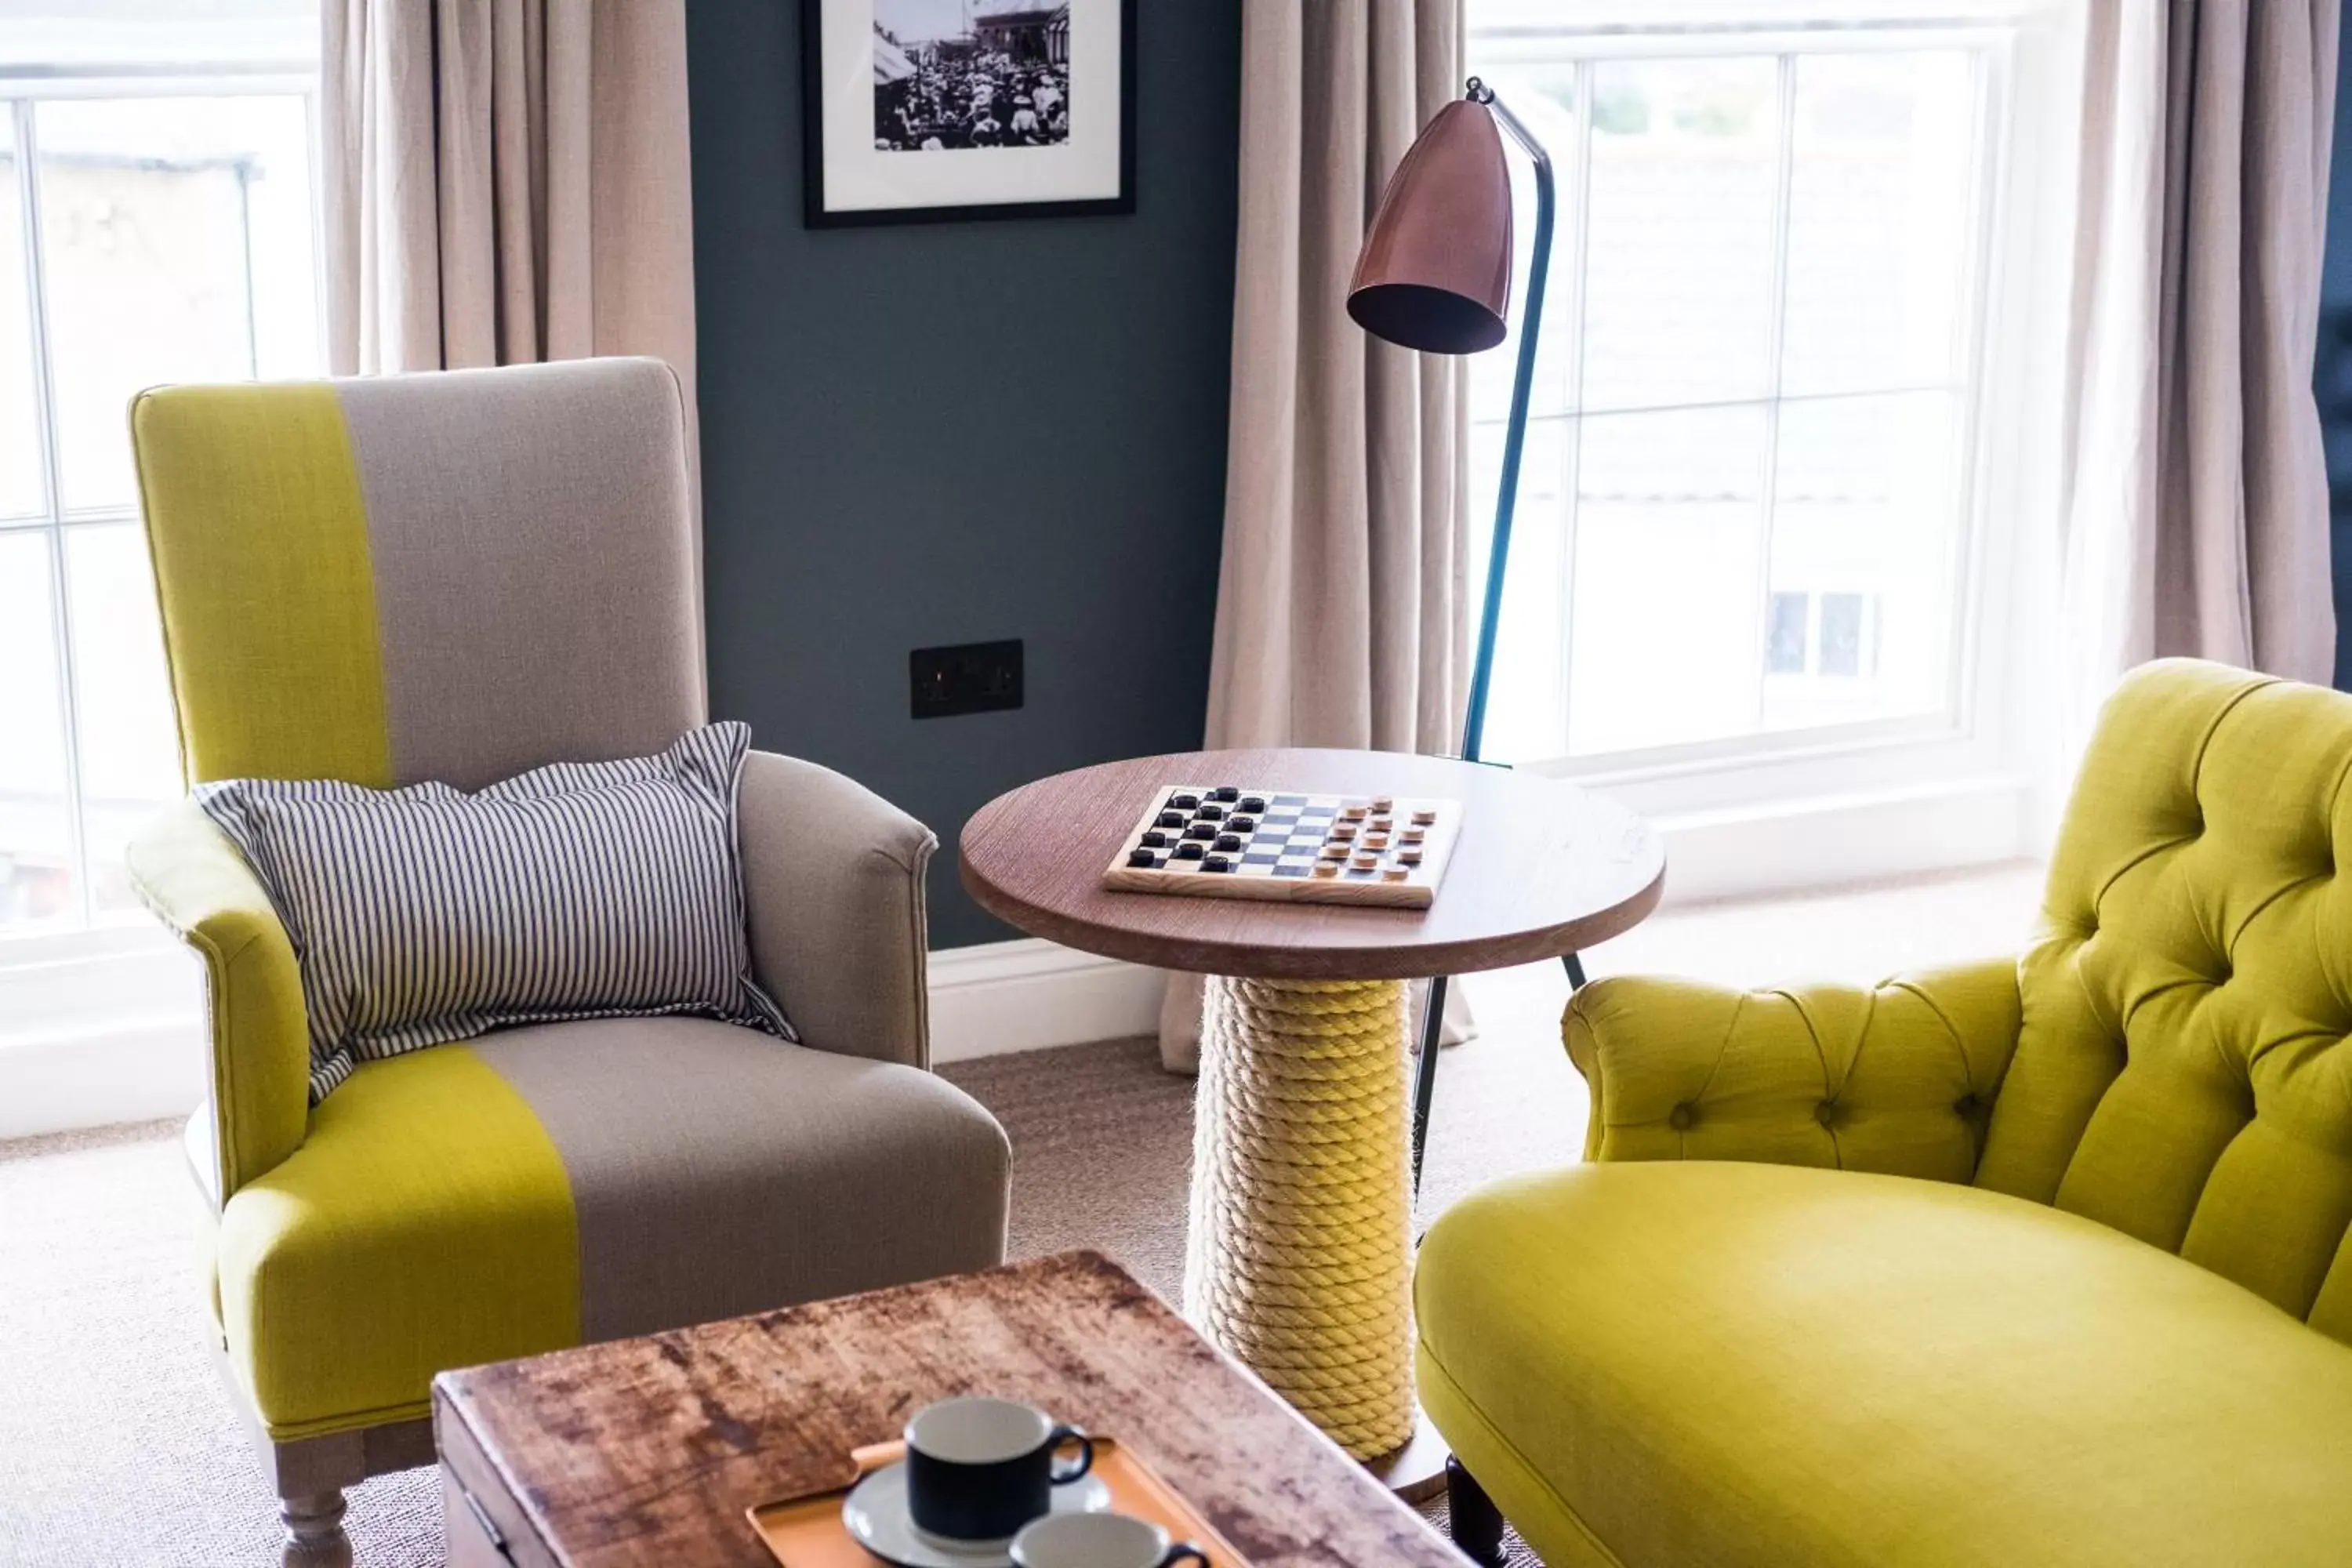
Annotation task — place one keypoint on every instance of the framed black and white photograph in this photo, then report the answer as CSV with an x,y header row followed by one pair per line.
x,y
930,110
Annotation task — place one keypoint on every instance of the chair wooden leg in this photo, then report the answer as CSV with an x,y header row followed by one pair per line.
x,y
1477,1523
314,1530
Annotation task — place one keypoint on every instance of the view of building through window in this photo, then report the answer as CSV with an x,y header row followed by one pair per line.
x,y
1742,509
142,239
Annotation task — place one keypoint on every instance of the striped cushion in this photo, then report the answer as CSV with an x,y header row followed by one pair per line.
x,y
577,891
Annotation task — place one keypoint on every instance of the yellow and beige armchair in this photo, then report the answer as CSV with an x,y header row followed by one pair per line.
x,y
2042,1262
459,577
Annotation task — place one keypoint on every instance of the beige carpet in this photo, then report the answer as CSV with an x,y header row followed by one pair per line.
x,y
118,1446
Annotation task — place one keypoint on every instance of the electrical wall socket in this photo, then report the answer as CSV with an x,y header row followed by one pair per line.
x,y
969,678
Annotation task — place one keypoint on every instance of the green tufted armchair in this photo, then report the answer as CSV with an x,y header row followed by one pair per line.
x,y
2032,1261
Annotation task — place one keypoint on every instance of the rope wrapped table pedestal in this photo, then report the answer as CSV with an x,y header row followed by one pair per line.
x,y
1298,1260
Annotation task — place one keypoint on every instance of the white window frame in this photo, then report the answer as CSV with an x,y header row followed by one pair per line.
x,y
22,88
101,1019
1975,781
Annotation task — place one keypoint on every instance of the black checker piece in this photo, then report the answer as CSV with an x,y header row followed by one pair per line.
x,y
1243,823
1252,803
1210,813
1227,843
1153,840
1184,802
1202,830
1189,850
1142,857
1171,819
1225,793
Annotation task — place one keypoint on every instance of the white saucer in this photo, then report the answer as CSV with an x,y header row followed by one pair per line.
x,y
876,1514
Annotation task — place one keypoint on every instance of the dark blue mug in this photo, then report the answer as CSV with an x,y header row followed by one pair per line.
x,y
978,1469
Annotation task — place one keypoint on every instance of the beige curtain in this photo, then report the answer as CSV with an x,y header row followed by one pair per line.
x,y
2197,493
1341,619
506,181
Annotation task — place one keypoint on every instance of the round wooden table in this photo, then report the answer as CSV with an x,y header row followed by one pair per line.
x,y
1299,1255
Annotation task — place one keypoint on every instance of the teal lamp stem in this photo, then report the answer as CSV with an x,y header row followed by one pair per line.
x,y
1515,440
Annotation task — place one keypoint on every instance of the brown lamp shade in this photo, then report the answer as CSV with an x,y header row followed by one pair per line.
x,y
1435,270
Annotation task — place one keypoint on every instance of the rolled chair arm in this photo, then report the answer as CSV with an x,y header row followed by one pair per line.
x,y
1897,1079
833,887
197,884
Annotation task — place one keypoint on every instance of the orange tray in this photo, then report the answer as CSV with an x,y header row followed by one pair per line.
x,y
807,1531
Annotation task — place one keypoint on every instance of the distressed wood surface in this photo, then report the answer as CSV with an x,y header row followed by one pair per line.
x,y
648,1450
1541,868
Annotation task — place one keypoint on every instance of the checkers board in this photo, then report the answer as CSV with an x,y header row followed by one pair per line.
x,y
1225,841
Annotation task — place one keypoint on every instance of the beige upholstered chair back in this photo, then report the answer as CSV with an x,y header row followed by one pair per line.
x,y
456,576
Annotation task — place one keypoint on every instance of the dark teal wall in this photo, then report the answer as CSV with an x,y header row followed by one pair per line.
x,y
952,433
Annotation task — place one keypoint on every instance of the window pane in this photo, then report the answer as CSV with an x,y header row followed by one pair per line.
x,y
1835,185
1879,208
1866,517
1669,539
1679,277
1841,634
1784,642
129,765
176,233
35,840
20,459
1528,701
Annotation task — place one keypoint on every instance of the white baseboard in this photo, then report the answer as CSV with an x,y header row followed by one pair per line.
x,y
67,1062
1024,995
145,1070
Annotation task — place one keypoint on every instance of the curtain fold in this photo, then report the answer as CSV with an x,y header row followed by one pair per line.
x,y
1342,617
506,181
1340,612
2196,490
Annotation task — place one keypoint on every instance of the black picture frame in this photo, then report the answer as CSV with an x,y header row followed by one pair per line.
x,y
814,213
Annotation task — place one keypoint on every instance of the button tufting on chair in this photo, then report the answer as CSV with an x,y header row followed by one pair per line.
x,y
1681,1117
2124,1104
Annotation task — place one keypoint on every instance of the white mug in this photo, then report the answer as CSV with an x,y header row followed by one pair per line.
x,y
1100,1541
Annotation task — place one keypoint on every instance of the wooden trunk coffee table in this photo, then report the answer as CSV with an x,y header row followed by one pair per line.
x,y
1299,1255
648,1451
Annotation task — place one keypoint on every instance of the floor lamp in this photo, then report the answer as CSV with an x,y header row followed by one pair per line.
x,y
1435,274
